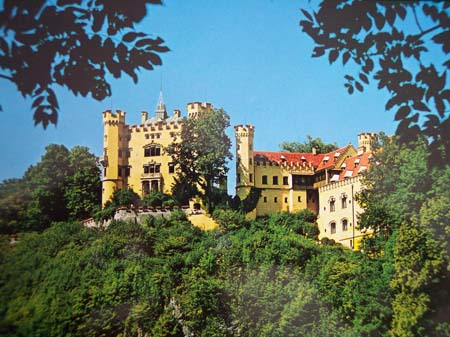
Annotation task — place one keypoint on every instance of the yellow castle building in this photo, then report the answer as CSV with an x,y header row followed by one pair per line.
x,y
134,156
295,181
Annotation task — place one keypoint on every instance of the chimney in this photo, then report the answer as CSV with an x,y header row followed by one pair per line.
x,y
314,151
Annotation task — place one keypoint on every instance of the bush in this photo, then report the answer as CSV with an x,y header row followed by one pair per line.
x,y
229,219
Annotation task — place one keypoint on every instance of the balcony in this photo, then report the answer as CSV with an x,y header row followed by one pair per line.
x,y
151,175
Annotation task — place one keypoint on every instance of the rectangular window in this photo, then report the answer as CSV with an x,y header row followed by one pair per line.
x,y
104,172
152,151
286,200
264,180
171,168
238,178
332,205
250,161
344,202
250,177
265,199
275,180
285,180
333,228
275,199
127,171
299,199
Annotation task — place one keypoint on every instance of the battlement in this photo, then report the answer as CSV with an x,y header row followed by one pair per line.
x,y
365,140
157,126
112,118
196,109
244,130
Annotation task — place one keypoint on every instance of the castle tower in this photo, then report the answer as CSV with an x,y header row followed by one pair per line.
x,y
113,159
197,109
365,141
161,111
245,178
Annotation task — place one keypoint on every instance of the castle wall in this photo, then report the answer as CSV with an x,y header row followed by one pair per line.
x,y
349,235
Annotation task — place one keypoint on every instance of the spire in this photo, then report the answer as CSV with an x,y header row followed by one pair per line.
x,y
161,107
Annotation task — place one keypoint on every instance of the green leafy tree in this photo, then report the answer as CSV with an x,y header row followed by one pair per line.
x,y
83,187
47,180
73,44
202,154
308,145
14,198
390,43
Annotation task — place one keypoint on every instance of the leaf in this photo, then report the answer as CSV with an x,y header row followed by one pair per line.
x,y
402,113
333,55
418,105
345,57
364,78
358,86
144,42
318,51
308,16
350,89
128,37
349,78
440,106
37,101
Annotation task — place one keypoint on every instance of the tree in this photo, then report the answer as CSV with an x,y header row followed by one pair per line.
x,y
83,188
308,145
377,37
73,44
203,152
64,184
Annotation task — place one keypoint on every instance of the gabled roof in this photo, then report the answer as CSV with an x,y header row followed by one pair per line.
x,y
332,158
355,165
288,157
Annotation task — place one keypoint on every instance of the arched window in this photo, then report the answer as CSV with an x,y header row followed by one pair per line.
x,y
332,202
333,228
344,200
344,225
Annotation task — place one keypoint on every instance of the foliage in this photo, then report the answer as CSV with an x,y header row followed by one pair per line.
x,y
83,185
378,38
73,44
202,154
63,185
404,207
308,145
157,198
124,197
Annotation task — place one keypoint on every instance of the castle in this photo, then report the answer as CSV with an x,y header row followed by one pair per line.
x,y
135,156
325,183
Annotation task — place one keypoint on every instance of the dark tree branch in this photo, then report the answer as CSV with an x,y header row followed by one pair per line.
x,y
417,20
7,77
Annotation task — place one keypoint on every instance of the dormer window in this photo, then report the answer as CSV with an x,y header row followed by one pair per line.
x,y
343,166
326,158
357,160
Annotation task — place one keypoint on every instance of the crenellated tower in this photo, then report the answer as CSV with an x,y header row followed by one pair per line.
x,y
114,145
365,141
197,109
244,159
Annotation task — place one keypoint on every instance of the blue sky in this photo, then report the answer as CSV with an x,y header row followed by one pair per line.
x,y
249,57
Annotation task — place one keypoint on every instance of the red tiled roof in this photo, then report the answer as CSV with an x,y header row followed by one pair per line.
x,y
331,162
289,157
353,167
296,157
